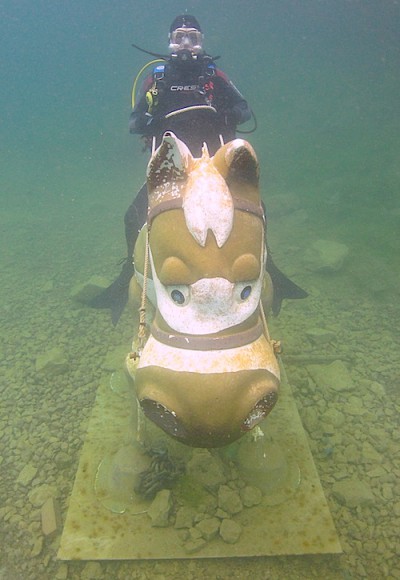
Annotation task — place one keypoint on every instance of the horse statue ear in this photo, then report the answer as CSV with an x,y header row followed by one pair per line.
x,y
237,162
170,163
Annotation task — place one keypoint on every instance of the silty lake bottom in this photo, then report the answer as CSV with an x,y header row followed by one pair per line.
x,y
341,354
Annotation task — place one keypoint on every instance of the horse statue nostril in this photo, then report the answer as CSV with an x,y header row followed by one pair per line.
x,y
260,411
163,418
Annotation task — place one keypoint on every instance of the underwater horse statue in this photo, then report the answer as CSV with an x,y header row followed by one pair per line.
x,y
207,372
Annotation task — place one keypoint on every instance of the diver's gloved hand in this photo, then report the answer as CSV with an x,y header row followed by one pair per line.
x,y
232,117
153,125
144,124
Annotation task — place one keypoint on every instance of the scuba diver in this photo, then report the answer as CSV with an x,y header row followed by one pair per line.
x,y
186,91
186,94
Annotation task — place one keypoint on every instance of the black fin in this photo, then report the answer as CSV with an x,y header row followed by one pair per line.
x,y
116,295
283,287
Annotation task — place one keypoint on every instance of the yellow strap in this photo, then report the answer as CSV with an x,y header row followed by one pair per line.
x,y
275,344
264,322
142,309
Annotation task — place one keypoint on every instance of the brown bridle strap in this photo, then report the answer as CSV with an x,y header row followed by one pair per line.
x,y
168,204
208,342
177,203
248,206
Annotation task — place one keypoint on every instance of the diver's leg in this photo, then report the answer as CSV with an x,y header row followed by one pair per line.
x,y
283,287
135,218
115,296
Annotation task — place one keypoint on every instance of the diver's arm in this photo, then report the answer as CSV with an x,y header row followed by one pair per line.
x,y
241,112
237,109
139,118
141,121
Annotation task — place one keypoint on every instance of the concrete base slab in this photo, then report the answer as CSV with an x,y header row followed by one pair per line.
x,y
107,521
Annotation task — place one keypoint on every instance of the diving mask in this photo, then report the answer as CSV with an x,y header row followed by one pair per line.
x,y
186,39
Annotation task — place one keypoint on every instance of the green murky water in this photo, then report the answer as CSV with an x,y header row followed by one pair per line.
x,y
323,80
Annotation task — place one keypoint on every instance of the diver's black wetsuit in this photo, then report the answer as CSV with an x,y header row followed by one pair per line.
x,y
180,84
163,99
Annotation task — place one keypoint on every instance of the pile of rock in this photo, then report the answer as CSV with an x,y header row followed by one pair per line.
x,y
224,496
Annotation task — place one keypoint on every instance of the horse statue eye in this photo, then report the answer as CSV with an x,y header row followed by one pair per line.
x,y
178,296
245,293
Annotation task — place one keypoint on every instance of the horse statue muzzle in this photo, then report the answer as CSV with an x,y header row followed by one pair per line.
x,y
207,373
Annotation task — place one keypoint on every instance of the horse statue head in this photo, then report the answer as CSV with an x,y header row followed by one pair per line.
x,y
207,373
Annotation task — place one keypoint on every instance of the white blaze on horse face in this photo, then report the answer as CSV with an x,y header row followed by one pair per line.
x,y
209,305
208,204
